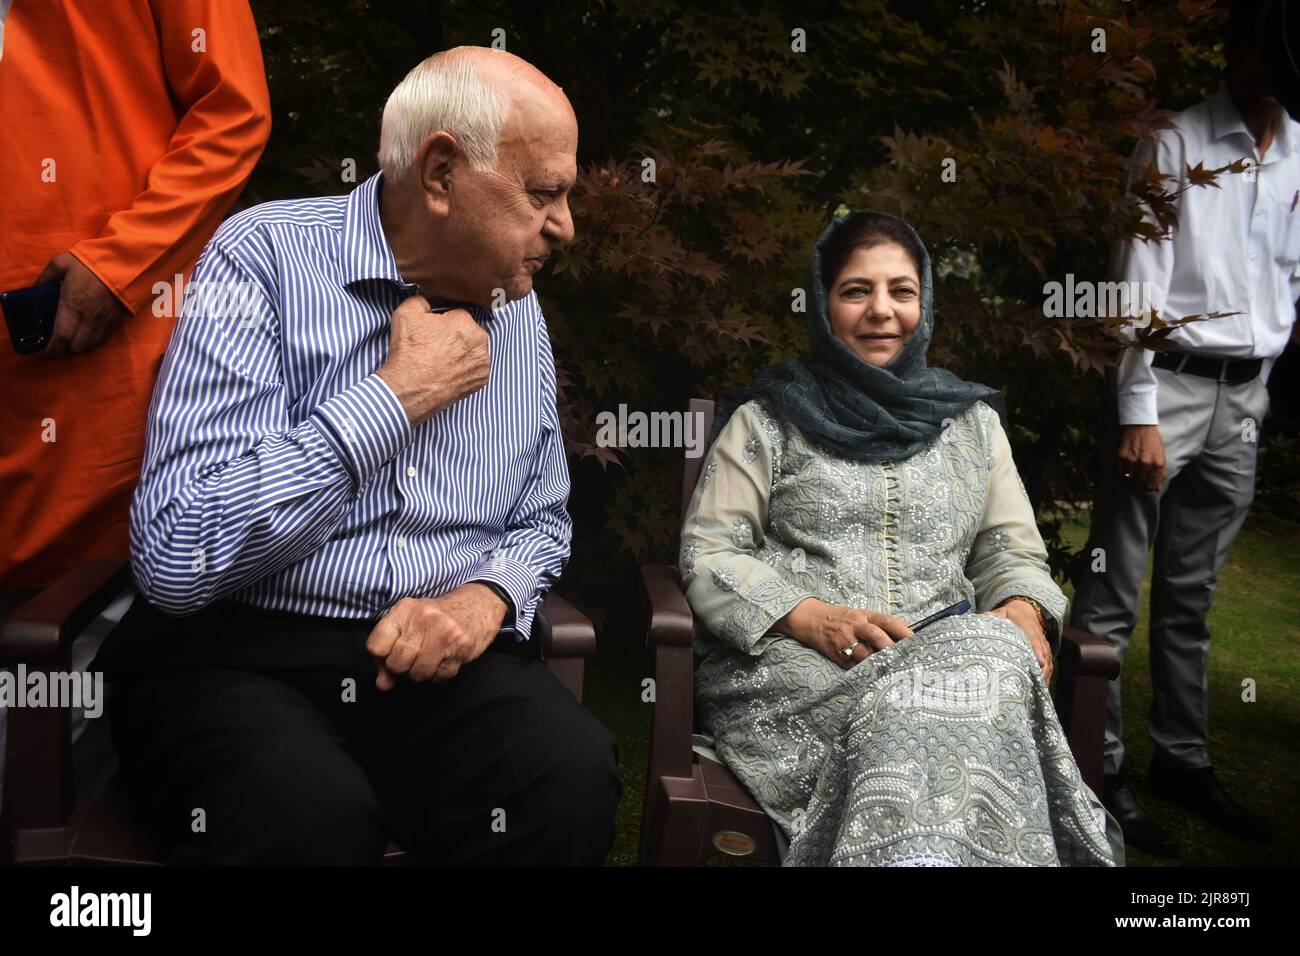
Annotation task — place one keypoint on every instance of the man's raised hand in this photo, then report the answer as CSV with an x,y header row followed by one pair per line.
x,y
434,359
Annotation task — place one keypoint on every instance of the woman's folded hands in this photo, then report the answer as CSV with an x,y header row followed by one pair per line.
x,y
849,635
845,635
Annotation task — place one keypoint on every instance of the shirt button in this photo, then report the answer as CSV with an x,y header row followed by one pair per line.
x,y
410,471
401,541
1254,256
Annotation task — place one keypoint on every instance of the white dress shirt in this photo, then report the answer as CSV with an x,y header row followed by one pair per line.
x,y
1236,248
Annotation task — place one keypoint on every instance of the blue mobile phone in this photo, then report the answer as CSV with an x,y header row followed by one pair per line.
x,y
961,607
29,314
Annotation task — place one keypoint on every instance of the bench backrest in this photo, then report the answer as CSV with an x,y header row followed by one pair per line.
x,y
691,470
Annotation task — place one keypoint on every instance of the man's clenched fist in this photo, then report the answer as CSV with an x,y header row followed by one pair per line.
x,y
431,638
1142,456
434,359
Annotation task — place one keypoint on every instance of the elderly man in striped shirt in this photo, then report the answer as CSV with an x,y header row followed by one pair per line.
x,y
352,503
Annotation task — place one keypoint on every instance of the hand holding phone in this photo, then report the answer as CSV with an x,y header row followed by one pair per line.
x,y
67,310
29,316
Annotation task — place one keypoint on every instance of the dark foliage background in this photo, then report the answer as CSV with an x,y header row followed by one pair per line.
x,y
678,287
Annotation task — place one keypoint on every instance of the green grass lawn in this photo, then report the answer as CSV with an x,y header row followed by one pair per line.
x,y
1255,746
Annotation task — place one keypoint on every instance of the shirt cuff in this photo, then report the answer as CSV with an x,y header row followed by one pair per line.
x,y
89,262
507,622
365,425
1138,408
517,580
753,614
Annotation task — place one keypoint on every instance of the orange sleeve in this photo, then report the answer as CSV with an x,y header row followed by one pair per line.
x,y
225,119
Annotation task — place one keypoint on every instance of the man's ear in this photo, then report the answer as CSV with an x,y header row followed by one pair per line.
x,y
434,162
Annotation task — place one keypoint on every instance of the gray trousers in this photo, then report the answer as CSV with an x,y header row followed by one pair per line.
x,y
1192,521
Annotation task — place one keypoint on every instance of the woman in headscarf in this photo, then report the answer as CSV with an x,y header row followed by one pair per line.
x,y
840,500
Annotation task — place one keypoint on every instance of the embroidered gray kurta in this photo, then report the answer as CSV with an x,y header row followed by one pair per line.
x,y
943,749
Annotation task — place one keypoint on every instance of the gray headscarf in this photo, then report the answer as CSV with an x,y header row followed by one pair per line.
x,y
850,407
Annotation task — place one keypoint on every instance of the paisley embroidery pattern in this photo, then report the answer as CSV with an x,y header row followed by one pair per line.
x,y
759,607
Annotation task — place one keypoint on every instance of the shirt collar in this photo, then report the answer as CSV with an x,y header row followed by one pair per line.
x,y
1284,137
366,253
1226,121
1224,118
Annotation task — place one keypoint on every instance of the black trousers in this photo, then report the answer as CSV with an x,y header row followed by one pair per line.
x,y
258,737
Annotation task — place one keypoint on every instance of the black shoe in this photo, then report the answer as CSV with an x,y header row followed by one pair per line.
x,y
1200,790
1140,828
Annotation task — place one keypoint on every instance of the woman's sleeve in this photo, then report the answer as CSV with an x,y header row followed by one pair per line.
x,y
1008,556
733,594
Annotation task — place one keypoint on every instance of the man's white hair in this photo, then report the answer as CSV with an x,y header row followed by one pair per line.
x,y
444,93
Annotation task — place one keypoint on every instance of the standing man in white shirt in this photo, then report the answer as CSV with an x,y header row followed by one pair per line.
x,y
1180,472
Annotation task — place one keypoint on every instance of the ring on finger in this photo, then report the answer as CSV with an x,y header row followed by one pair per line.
x,y
848,651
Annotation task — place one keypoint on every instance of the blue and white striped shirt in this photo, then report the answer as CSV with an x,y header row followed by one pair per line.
x,y
282,472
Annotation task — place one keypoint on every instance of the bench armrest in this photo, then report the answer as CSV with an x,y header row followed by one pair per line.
x,y
41,630
565,632
670,622
1087,655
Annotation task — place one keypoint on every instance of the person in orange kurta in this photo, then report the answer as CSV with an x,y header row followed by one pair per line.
x,y
127,130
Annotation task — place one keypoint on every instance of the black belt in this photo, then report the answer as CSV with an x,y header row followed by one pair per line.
x,y
1232,371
